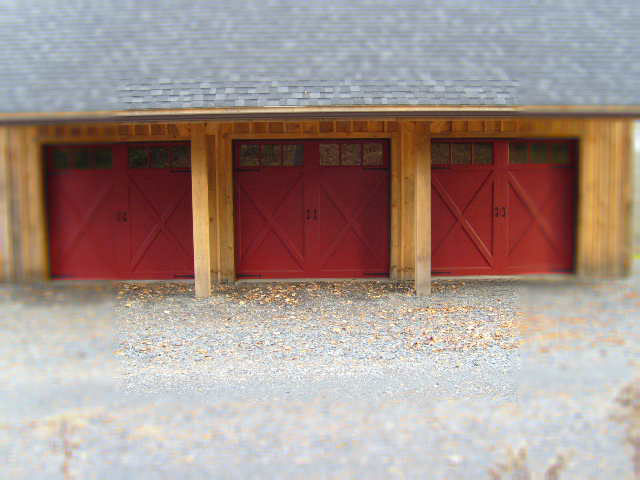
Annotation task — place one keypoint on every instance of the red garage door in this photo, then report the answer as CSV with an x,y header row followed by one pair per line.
x,y
312,209
503,207
120,211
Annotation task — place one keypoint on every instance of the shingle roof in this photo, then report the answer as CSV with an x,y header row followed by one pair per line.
x,y
90,55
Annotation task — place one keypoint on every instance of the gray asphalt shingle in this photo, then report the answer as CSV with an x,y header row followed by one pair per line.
x,y
120,54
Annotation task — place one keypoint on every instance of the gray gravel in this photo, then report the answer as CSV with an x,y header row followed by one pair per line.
x,y
317,379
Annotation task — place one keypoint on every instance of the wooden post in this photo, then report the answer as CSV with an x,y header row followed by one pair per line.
x,y
200,201
422,153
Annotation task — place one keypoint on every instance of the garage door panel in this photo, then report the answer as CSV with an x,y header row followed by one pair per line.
x,y
160,224
82,223
515,214
324,212
351,225
462,221
540,222
108,219
270,221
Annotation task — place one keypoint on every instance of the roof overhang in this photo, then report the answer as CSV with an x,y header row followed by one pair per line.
x,y
283,112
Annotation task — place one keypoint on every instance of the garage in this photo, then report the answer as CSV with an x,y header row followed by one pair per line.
x,y
503,206
312,209
119,211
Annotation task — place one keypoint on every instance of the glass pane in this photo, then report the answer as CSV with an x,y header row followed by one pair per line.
x,y
180,157
159,157
138,157
293,155
271,155
517,153
329,154
372,154
249,155
81,158
440,153
560,154
482,154
539,153
351,154
61,159
461,153
103,158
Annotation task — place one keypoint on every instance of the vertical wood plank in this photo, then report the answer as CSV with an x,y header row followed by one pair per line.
x,y
422,152
395,272
214,246
6,218
614,230
627,173
200,203
586,189
16,165
224,186
36,258
407,129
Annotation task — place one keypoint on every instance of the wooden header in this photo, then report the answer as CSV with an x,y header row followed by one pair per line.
x,y
348,128
418,112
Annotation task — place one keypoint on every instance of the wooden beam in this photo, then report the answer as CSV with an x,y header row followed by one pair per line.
x,y
200,202
422,153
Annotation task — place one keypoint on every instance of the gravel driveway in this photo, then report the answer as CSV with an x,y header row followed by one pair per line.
x,y
485,379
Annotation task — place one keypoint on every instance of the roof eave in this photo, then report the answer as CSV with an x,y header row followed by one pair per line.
x,y
281,112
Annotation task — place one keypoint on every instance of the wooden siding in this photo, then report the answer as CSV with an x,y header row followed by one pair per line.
x,y
23,231
603,228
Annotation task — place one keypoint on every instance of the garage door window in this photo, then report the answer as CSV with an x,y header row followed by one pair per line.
x,y
81,158
270,155
541,152
462,153
158,157
368,154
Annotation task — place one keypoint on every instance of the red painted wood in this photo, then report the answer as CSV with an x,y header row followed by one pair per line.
x,y
89,237
351,234
270,223
503,218
540,226
463,229
82,224
312,220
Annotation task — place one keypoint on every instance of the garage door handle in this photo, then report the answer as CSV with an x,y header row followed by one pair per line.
x,y
121,216
504,212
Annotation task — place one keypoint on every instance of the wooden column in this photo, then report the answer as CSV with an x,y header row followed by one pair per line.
x,y
422,153
407,200
200,201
